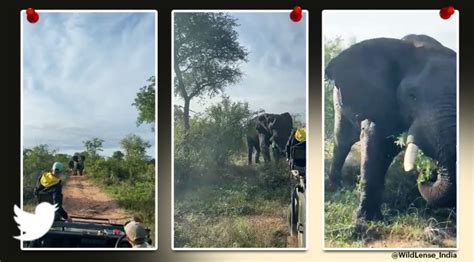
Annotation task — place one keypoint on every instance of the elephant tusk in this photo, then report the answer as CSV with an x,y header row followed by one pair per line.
x,y
410,156
337,97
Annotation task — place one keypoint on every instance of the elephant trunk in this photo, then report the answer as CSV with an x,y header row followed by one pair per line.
x,y
264,147
442,192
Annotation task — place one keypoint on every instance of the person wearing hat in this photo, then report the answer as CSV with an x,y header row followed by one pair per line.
x,y
136,234
49,184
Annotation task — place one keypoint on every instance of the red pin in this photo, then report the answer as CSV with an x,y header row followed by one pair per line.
x,y
446,12
31,15
296,14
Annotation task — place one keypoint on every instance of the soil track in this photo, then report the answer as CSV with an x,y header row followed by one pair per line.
x,y
84,199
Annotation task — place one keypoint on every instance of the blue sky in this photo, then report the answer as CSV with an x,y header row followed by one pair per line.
x,y
81,73
365,24
275,76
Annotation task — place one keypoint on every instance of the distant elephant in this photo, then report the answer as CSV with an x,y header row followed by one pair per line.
x,y
268,131
384,87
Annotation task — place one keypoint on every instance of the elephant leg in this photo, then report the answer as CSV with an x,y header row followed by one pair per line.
x,y
345,135
257,153
377,152
266,155
249,153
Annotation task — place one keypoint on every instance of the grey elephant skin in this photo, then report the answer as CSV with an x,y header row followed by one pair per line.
x,y
268,131
384,87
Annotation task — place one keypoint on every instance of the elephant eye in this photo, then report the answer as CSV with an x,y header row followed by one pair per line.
x,y
412,97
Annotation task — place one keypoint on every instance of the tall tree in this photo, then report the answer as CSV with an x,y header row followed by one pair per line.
x,y
207,56
145,103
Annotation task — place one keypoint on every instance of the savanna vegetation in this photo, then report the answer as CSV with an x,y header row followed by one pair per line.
x,y
128,175
219,201
407,221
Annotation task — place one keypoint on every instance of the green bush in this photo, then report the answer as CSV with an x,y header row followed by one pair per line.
x,y
219,200
213,139
36,161
131,182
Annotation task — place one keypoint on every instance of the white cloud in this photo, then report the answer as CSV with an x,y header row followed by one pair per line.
x,y
81,74
275,76
367,24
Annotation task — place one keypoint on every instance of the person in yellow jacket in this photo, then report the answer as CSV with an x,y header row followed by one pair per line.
x,y
297,136
49,184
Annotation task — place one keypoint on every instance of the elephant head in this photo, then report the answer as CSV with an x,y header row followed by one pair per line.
x,y
428,105
280,127
405,85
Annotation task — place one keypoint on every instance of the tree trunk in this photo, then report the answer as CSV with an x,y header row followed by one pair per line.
x,y
185,142
186,115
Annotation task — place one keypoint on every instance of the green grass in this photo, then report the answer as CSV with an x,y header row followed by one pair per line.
x,y
130,183
410,225
407,221
138,198
233,206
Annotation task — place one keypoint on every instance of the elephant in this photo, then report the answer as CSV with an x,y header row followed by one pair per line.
x,y
384,87
268,131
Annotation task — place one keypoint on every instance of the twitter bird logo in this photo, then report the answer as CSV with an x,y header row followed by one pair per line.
x,y
35,225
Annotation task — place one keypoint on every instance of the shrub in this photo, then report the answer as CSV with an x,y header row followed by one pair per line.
x,y
213,139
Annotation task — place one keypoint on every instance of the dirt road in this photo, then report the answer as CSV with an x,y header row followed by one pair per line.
x,y
84,199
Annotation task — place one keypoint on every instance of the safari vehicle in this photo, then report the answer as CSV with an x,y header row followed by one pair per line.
x,y
83,232
297,207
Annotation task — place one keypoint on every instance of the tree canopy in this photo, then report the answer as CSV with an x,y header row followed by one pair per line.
x,y
135,147
118,155
93,146
207,56
145,103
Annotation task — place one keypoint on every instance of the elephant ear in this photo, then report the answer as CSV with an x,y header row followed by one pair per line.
x,y
372,68
284,119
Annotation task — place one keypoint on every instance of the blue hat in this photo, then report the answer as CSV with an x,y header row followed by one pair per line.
x,y
58,167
